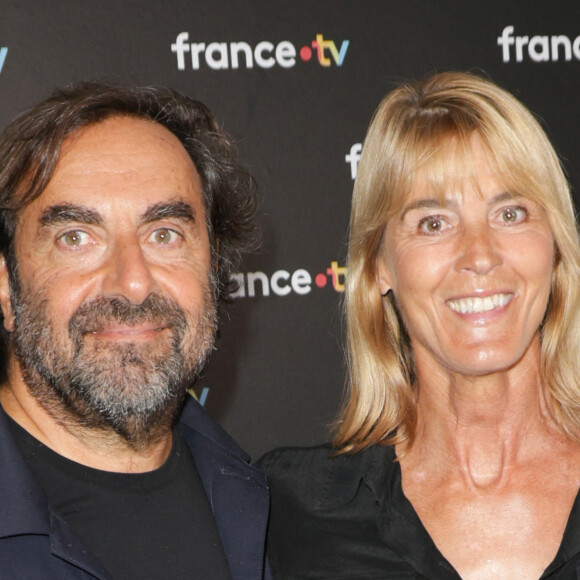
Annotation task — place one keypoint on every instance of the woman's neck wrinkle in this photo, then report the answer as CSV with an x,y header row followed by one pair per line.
x,y
481,449
485,461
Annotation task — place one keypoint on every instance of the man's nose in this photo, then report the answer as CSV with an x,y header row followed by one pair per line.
x,y
478,250
128,273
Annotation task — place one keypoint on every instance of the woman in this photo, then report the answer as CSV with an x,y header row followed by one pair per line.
x,y
457,454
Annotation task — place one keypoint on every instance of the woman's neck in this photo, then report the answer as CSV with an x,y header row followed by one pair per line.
x,y
480,426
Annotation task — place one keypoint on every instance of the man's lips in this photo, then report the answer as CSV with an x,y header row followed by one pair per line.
x,y
128,333
479,304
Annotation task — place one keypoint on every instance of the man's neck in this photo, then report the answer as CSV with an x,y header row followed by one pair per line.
x,y
97,448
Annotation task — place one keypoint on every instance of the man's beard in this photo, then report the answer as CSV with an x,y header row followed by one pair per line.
x,y
134,388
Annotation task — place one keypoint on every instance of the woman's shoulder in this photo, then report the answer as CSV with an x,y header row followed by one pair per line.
x,y
315,472
321,456
323,517
284,460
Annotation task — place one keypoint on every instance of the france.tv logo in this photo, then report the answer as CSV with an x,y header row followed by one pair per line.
x,y
283,283
265,54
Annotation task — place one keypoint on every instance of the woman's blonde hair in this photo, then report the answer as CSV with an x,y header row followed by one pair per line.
x,y
415,127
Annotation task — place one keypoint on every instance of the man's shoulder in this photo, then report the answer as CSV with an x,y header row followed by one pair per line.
x,y
213,450
236,490
195,421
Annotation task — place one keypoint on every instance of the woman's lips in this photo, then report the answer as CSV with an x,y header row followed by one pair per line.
x,y
479,304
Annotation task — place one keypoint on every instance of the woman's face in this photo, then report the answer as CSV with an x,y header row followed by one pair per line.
x,y
471,274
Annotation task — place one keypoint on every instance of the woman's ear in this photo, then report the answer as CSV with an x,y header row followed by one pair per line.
x,y
384,277
5,301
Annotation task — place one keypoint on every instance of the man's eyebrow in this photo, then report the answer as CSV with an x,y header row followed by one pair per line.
x,y
68,212
172,209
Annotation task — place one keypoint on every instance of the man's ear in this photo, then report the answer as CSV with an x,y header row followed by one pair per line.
x,y
5,301
383,277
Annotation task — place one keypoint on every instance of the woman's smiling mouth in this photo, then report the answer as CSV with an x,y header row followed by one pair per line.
x,y
479,304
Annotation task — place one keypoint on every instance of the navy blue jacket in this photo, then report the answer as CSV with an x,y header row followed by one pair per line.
x,y
37,544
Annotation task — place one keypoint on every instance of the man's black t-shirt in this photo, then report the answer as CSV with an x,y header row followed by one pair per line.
x,y
141,526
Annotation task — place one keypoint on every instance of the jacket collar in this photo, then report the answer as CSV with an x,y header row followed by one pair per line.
x,y
24,507
237,491
193,416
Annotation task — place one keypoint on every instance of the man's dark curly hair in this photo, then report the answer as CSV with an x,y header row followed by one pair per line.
x,y
31,144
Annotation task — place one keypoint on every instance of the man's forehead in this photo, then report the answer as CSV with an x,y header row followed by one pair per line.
x,y
119,133
122,159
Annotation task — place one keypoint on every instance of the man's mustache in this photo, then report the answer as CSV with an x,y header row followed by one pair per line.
x,y
96,314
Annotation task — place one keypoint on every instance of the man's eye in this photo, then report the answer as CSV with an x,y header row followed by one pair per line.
x,y
74,238
513,215
432,225
164,236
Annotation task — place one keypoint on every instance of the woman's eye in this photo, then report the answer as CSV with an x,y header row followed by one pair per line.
x,y
164,236
432,225
74,238
513,215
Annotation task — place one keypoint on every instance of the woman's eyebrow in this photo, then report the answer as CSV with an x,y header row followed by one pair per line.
x,y
501,197
428,202
435,203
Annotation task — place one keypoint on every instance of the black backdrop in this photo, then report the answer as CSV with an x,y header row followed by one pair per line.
x,y
297,112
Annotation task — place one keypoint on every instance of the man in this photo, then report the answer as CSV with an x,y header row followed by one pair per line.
x,y
122,213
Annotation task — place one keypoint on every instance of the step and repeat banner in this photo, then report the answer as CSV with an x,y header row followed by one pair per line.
x,y
295,82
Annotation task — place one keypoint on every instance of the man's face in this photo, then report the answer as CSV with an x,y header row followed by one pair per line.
x,y
112,312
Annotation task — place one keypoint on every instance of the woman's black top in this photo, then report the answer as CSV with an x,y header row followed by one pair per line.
x,y
346,517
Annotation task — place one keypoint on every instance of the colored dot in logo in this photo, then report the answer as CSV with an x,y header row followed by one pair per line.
x,y
305,53
320,280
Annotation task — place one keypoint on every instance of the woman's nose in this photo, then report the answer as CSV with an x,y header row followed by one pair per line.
x,y
478,251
